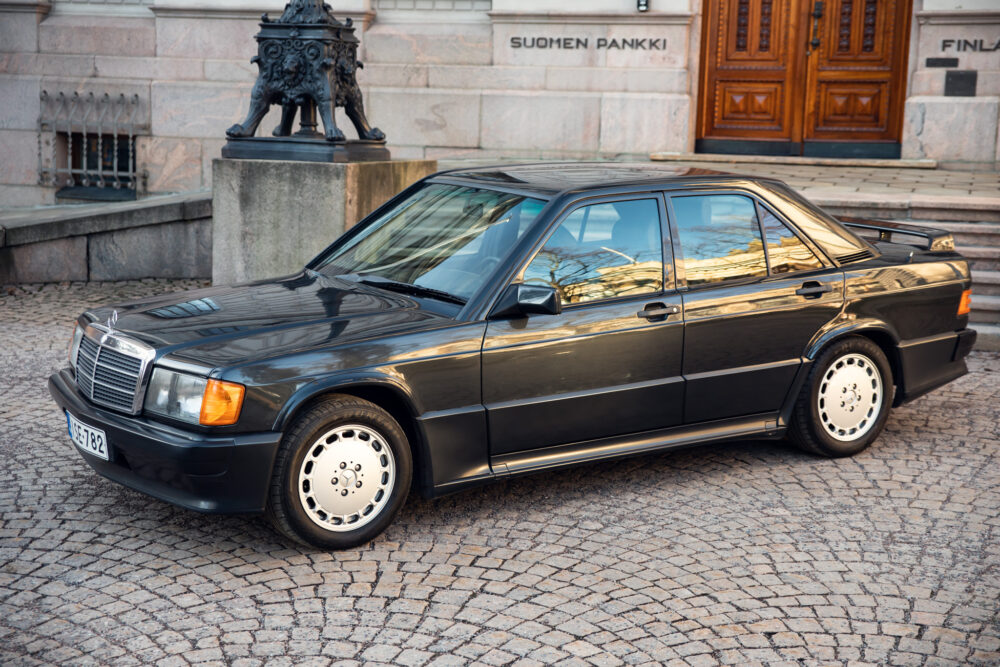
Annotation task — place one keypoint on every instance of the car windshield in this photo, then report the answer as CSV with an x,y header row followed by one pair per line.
x,y
443,238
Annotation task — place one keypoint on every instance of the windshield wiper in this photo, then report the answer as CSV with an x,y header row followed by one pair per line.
x,y
415,290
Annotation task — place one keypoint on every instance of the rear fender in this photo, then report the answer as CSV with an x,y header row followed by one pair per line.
x,y
848,325
876,330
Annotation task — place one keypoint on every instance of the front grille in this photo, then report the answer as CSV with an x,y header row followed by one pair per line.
x,y
108,376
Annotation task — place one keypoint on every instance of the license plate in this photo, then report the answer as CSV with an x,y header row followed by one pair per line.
x,y
89,439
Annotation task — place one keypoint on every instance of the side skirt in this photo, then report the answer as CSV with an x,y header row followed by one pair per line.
x,y
763,425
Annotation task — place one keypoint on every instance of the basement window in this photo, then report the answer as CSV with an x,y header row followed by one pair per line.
x,y
86,146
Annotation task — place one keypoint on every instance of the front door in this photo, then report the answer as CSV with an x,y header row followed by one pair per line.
x,y
820,78
610,363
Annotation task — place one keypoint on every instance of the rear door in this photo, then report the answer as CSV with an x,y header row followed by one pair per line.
x,y
748,314
610,363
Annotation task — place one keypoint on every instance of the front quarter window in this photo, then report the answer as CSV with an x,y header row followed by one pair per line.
x,y
447,238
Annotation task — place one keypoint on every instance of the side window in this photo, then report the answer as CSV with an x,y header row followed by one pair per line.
x,y
719,238
786,251
603,251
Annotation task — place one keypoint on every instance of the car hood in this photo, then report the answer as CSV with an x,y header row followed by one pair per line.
x,y
227,326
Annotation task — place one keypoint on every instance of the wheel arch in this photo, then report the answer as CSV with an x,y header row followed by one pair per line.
x,y
384,393
877,332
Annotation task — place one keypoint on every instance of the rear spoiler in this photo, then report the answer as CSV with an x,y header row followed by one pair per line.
x,y
935,240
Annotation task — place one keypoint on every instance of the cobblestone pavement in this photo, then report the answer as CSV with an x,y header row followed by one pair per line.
x,y
740,553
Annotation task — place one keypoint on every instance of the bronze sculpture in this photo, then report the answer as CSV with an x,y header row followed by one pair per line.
x,y
308,63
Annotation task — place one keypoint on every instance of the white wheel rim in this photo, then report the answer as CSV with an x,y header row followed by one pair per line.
x,y
850,397
346,478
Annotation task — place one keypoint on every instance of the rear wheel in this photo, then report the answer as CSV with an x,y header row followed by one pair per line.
x,y
845,401
342,473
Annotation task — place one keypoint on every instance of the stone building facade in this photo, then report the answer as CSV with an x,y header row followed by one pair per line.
x,y
491,78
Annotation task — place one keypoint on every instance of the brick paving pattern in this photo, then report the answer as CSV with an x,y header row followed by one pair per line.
x,y
740,553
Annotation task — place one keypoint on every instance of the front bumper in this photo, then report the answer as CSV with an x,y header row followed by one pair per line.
x,y
202,472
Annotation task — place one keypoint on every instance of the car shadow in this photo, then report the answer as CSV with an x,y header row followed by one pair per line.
x,y
426,520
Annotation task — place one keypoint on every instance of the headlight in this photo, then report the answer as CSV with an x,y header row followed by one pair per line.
x,y
175,395
74,345
194,399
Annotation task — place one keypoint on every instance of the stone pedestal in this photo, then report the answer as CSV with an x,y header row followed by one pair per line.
x,y
271,217
305,149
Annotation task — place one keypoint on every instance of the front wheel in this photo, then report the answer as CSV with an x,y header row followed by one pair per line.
x,y
845,401
341,474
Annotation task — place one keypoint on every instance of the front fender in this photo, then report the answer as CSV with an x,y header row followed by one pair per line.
x,y
340,381
449,447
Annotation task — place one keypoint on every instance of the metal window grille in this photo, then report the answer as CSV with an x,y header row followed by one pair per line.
x,y
105,3
439,5
89,142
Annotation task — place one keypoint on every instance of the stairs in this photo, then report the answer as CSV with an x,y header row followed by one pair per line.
x,y
978,241
985,283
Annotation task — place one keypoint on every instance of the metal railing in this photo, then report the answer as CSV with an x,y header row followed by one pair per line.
x,y
88,140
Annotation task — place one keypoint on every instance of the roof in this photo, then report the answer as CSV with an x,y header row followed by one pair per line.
x,y
549,179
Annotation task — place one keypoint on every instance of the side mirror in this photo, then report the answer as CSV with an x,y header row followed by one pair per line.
x,y
520,300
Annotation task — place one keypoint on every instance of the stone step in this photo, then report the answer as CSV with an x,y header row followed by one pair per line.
x,y
977,234
985,308
961,208
986,283
988,337
981,259
795,160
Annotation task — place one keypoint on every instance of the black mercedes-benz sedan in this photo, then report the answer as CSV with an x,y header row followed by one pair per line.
x,y
497,321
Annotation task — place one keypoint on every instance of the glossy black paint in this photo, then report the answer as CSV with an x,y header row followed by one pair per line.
x,y
207,473
520,300
484,392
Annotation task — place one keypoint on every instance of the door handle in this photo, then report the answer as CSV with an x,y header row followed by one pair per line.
x,y
813,289
817,14
658,311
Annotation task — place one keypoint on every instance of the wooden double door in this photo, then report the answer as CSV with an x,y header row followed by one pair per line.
x,y
822,78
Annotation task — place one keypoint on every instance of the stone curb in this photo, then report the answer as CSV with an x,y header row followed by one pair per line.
x,y
35,226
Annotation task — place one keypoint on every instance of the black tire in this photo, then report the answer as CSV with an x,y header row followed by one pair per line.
x,y
811,428
298,519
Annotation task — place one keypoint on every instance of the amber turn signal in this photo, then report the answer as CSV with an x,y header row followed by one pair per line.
x,y
221,403
965,305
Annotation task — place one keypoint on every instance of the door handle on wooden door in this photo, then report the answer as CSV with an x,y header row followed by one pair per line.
x,y
817,14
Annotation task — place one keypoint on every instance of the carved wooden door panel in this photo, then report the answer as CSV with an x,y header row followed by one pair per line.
x,y
792,77
856,74
751,80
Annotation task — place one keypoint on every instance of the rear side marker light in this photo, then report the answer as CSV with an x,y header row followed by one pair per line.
x,y
965,305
